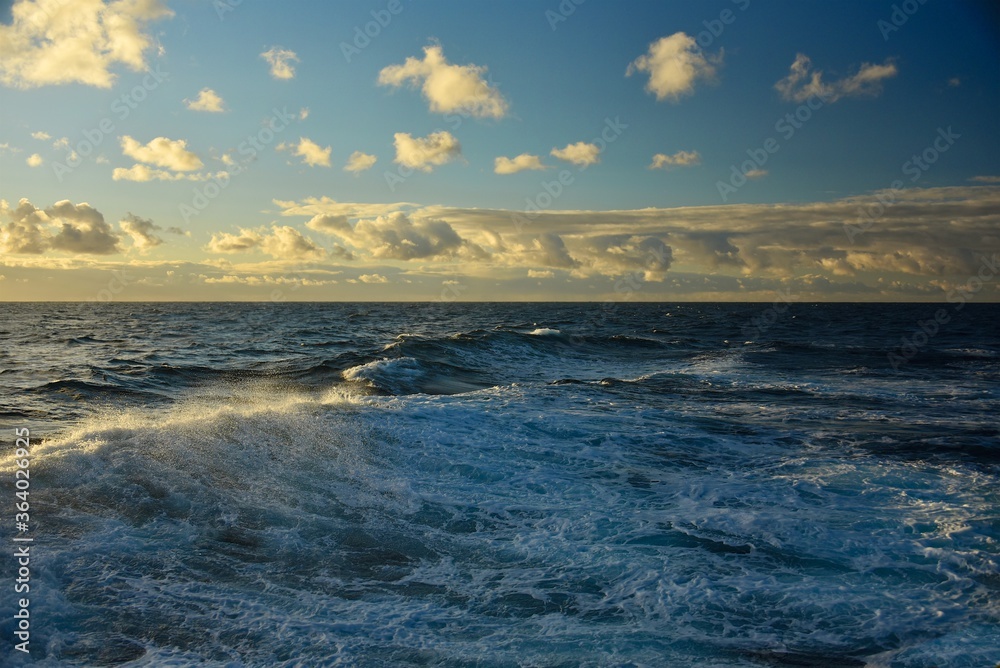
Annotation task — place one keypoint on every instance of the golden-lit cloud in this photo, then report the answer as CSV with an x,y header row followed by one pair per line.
x,y
504,165
674,64
57,42
678,159
207,100
64,226
279,241
280,61
312,154
162,152
141,231
359,162
425,153
803,82
449,88
35,160
581,153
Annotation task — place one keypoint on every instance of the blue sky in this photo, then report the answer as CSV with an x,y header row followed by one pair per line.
x,y
509,79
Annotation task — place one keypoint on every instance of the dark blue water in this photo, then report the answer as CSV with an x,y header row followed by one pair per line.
x,y
506,484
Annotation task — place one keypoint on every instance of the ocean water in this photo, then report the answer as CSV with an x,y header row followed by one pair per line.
x,y
711,485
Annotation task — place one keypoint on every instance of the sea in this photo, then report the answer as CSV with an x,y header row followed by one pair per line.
x,y
502,484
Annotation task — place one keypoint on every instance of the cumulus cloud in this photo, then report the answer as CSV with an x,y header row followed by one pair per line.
x,y
64,226
449,88
141,231
803,82
142,173
397,237
280,242
312,154
35,160
162,152
56,42
359,162
679,159
543,273
328,224
280,61
504,165
44,136
674,64
581,153
424,153
207,100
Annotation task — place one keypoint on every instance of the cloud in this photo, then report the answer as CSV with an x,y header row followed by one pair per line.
x,y
162,152
52,42
359,162
449,88
679,159
535,273
64,226
504,165
986,179
280,61
580,153
373,278
312,206
141,231
44,136
280,241
424,153
303,113
756,173
207,100
803,82
328,224
35,160
674,64
397,237
142,173
312,154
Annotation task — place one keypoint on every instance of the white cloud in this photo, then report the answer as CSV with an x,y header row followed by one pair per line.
x,y
280,61
505,165
535,273
756,173
207,100
580,153
141,231
62,142
449,88
224,242
674,64
679,159
162,152
35,160
312,154
57,42
303,113
424,153
44,136
803,82
359,162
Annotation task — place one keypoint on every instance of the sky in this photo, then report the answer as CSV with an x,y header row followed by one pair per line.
x,y
543,150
